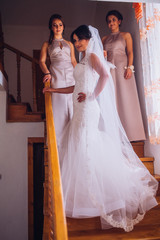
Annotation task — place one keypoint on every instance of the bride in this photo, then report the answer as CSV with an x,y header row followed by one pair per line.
x,y
101,174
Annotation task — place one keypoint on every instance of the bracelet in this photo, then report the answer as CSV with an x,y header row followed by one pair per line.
x,y
131,67
47,73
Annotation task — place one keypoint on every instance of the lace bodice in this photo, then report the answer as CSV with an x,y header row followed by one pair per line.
x,y
84,111
83,83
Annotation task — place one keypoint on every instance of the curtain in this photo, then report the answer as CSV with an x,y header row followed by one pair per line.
x,y
149,25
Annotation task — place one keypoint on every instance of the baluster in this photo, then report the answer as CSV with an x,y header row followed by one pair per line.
x,y
34,86
2,52
1,47
18,79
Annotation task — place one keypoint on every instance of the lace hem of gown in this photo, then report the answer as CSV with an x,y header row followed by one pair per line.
x,y
126,225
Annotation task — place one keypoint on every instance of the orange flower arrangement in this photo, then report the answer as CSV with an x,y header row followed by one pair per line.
x,y
138,10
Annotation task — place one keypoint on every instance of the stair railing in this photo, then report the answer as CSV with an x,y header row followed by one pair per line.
x,y
2,52
56,226
19,55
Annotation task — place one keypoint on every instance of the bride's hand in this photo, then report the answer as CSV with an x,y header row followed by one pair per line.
x,y
81,97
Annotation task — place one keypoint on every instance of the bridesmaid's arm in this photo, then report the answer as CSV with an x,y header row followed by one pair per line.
x,y
104,51
81,96
42,62
73,59
66,90
129,48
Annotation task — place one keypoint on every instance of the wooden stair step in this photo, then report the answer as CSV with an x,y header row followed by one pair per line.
x,y
148,162
28,118
11,99
138,147
22,112
90,228
88,224
16,109
157,177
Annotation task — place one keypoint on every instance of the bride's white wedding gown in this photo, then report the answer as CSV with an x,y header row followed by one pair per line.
x,y
97,178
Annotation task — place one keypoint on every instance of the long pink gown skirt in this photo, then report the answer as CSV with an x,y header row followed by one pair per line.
x,y
128,105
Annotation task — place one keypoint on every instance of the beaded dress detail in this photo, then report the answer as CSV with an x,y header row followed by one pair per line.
x,y
128,105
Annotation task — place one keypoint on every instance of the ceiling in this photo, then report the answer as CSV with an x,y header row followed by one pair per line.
x,y
37,12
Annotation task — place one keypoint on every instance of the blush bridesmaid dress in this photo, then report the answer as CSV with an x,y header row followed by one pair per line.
x,y
128,105
61,70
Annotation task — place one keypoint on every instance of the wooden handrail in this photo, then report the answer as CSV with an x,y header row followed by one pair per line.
x,y
5,45
2,52
57,214
34,61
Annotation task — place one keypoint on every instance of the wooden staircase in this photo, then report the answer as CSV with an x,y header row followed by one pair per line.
x,y
18,111
22,112
90,228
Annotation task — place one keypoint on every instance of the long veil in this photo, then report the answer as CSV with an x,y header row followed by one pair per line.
x,y
110,121
110,124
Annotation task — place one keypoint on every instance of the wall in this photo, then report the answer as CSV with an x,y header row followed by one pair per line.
x,y
14,174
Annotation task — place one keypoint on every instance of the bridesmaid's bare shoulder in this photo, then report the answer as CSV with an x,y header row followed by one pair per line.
x,y
126,35
45,46
104,39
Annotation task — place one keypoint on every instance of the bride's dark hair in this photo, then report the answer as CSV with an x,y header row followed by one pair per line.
x,y
82,32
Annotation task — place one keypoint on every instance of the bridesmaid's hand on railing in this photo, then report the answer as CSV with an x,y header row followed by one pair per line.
x,y
47,78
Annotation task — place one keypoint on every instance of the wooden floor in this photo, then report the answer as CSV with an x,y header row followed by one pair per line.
x,y
147,229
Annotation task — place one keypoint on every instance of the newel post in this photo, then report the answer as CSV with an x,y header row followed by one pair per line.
x,y
18,79
2,51
34,86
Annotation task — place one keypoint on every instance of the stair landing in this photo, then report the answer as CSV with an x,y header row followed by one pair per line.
x,y
90,229
21,112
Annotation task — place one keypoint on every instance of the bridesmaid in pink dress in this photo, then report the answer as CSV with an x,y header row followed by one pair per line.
x,y
60,73
118,46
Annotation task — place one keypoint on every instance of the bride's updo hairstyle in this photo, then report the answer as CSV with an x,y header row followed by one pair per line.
x,y
114,13
82,32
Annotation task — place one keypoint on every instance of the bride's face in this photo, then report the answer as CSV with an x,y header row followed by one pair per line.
x,y
80,44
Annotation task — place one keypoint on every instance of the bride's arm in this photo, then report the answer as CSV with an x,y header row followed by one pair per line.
x,y
103,74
